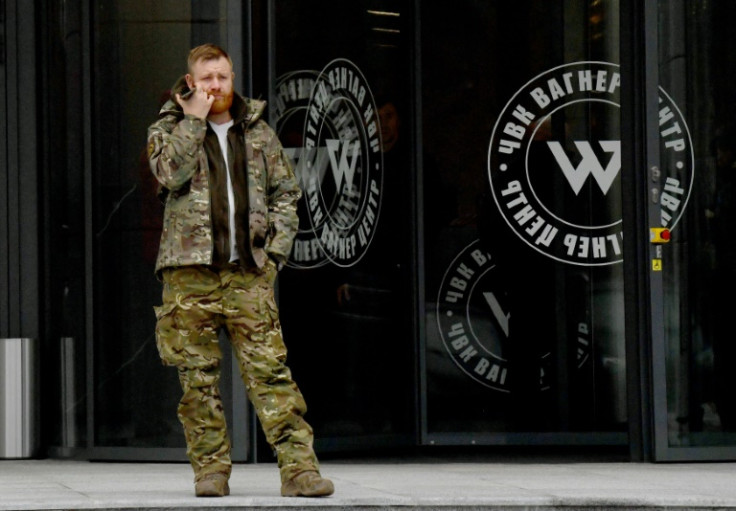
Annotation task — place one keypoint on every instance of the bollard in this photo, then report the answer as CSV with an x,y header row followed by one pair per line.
x,y
19,404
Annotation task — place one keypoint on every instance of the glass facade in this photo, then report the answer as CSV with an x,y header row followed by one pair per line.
x,y
457,278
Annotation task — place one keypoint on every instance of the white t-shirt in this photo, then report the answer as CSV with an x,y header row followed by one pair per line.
x,y
221,132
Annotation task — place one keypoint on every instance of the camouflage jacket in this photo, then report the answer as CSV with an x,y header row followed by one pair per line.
x,y
179,162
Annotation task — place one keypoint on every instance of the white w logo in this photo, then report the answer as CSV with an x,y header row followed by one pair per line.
x,y
589,164
301,162
343,168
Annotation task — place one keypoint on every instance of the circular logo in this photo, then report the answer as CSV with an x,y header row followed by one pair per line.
x,y
554,163
474,321
291,101
342,163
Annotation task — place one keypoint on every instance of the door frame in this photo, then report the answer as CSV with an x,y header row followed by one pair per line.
x,y
636,158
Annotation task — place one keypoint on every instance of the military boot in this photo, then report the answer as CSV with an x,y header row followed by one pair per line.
x,y
212,485
307,484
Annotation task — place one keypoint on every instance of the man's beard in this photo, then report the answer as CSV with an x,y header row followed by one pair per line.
x,y
222,104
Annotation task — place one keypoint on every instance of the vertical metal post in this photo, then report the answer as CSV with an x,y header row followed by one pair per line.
x,y
19,304
656,342
244,422
417,250
417,144
4,183
68,394
639,152
87,150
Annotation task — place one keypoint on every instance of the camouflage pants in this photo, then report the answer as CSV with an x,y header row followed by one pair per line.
x,y
197,302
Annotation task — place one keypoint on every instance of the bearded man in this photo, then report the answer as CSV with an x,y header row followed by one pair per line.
x,y
229,222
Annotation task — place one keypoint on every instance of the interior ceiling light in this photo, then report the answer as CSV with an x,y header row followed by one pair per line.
x,y
383,13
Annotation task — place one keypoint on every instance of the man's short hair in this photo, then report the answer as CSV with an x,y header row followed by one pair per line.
x,y
206,52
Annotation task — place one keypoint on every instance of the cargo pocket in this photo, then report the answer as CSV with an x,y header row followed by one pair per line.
x,y
168,339
274,336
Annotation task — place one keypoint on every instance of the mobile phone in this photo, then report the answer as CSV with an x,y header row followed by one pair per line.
x,y
187,94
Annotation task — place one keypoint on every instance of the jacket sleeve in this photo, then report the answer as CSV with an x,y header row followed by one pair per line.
x,y
283,194
173,149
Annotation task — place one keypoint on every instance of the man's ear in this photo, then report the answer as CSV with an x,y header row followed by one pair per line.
x,y
190,81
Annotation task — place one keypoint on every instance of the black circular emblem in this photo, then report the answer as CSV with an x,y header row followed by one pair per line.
x,y
554,163
474,321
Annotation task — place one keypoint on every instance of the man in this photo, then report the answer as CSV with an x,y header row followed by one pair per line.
x,y
229,223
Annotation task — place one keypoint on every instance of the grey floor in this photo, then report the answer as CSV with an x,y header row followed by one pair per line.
x,y
426,485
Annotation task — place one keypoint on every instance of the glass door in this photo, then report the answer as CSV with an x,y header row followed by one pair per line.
x,y
138,53
111,65
523,311
341,100
693,196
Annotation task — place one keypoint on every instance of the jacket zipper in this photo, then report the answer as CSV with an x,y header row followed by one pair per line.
x,y
209,206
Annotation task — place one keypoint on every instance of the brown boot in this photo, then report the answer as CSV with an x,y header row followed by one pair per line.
x,y
212,485
307,484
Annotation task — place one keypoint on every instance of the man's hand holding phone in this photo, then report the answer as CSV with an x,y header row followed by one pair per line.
x,y
196,102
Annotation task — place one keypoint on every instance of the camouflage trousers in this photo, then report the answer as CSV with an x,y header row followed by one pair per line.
x,y
197,302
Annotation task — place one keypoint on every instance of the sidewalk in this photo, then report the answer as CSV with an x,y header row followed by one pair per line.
x,y
381,485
